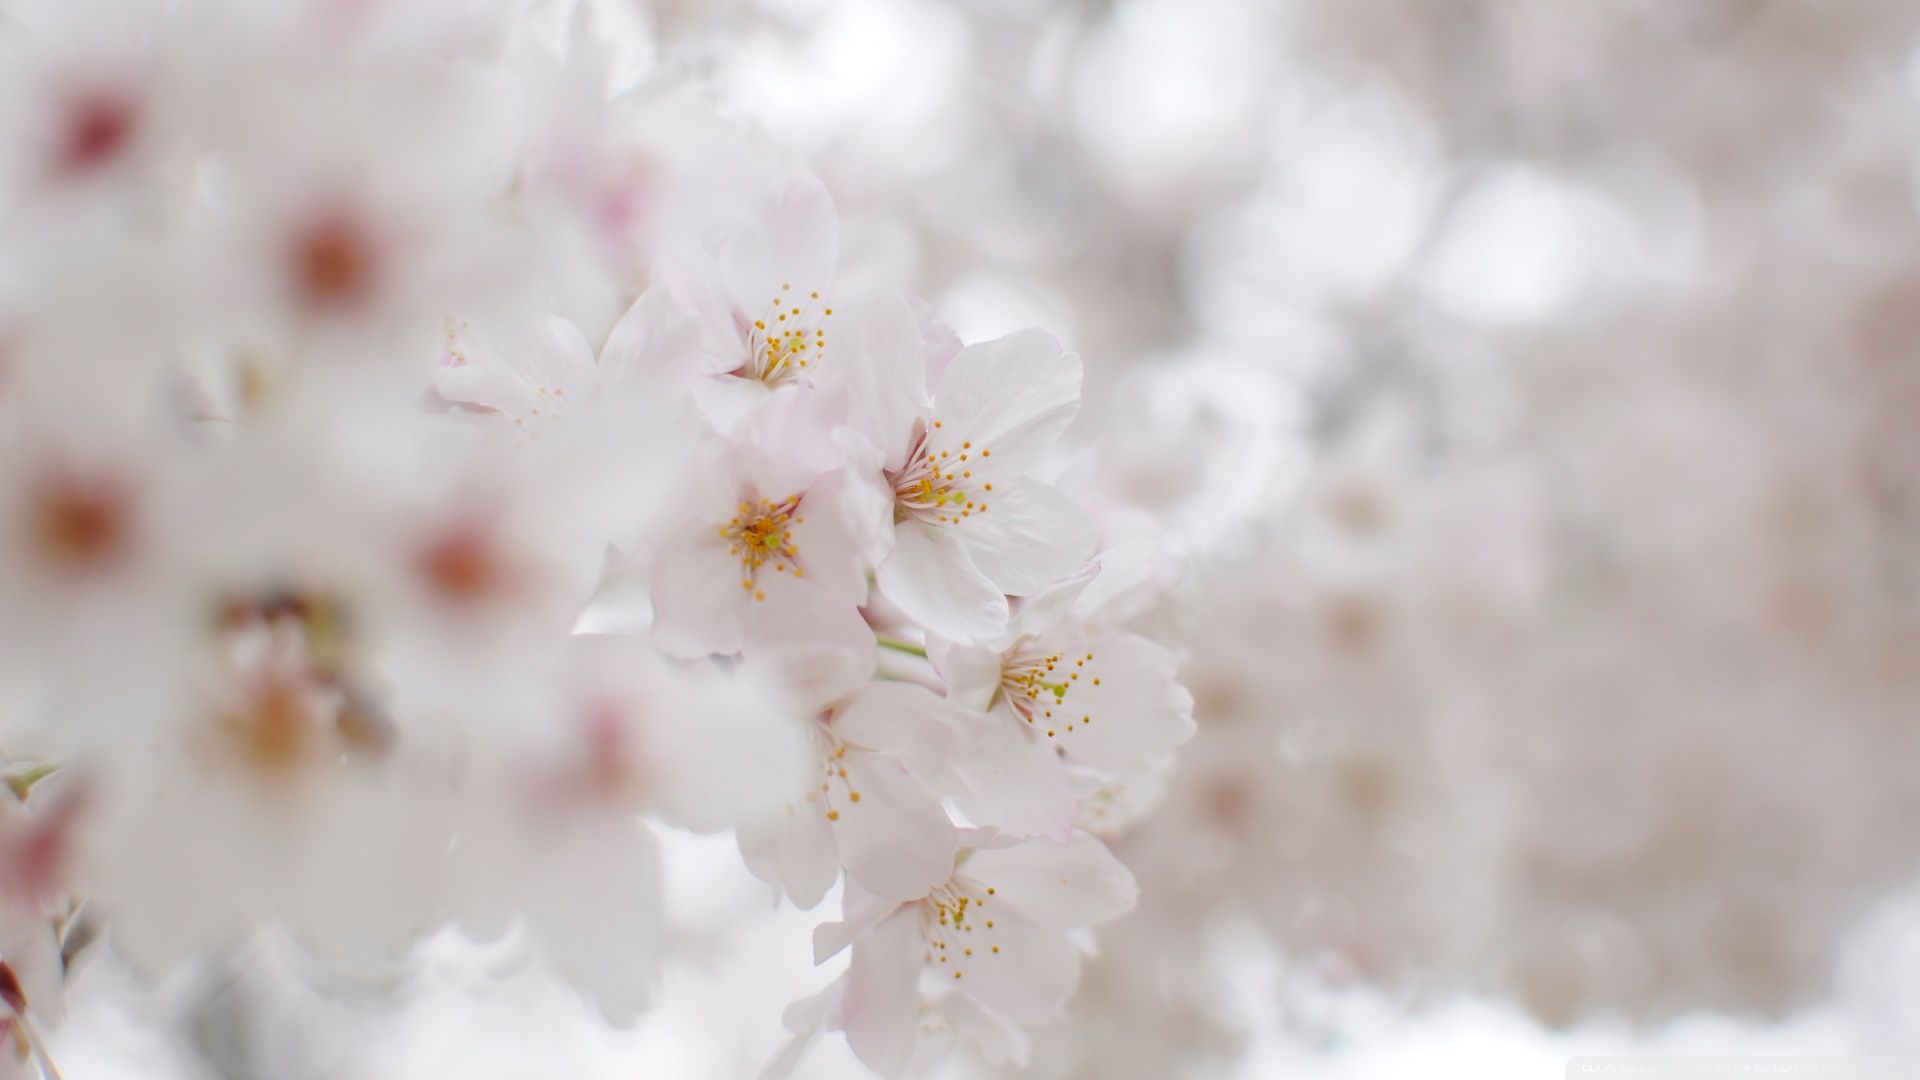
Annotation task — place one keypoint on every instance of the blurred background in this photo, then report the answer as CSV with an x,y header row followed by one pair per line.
x,y
1528,390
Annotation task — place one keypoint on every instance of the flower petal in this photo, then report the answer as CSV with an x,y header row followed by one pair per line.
x,y
1126,707
879,351
729,402
1032,536
1015,782
1013,396
903,720
972,672
814,644
931,578
823,539
1016,967
881,1004
1072,884
1000,1041
653,343
699,607
793,241
895,839
794,850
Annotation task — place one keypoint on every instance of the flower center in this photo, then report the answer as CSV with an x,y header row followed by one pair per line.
x,y
784,341
291,700
761,534
1037,685
334,261
954,923
937,486
81,524
98,126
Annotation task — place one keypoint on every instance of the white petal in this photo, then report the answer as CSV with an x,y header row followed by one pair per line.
x,y
653,343
1048,608
823,539
930,576
805,1018
1000,1041
902,720
729,402
816,645
791,438
725,751
1029,978
860,912
526,367
794,850
972,672
596,909
1013,396
1077,883
866,498
793,241
699,606
879,351
1127,708
1031,536
881,1002
1015,782
896,840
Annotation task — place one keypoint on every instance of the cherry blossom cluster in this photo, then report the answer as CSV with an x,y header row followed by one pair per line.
x,y
430,457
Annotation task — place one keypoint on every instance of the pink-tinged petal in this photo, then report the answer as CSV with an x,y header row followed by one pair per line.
x,y
881,1002
1050,607
878,350
791,440
1013,396
699,606
861,911
719,750
1018,968
693,280
1077,883
1000,1041
596,910
793,849
652,343
822,538
971,672
485,386
793,241
729,403
1015,782
1031,537
939,342
895,839
929,576
816,645
902,720
805,1018
526,368
866,498
1124,708
1126,571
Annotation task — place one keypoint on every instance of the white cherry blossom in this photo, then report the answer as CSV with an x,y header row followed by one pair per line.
x,y
872,803
996,931
963,519
764,552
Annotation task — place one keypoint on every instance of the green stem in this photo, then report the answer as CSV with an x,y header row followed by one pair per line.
x,y
897,645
